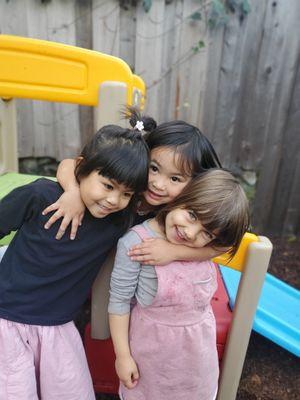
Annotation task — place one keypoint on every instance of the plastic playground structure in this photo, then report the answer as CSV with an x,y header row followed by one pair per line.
x,y
41,70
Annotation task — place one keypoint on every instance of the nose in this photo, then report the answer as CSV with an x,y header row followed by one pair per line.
x,y
113,198
191,233
159,183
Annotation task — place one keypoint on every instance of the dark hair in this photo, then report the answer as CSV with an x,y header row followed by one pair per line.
x,y
196,152
219,202
118,153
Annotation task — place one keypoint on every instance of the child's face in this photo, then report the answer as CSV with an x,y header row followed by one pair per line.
x,y
103,196
183,227
165,179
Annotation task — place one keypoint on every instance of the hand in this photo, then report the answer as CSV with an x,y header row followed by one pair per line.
x,y
127,371
70,208
153,251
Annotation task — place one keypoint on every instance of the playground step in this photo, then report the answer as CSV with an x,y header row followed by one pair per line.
x,y
278,312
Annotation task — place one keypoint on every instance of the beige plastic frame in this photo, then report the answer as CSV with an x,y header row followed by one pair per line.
x,y
8,137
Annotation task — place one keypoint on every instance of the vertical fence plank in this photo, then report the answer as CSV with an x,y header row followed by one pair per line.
x,y
193,61
84,38
148,53
229,89
43,127
106,26
169,100
127,35
252,107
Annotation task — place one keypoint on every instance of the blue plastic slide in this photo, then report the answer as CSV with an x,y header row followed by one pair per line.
x,y
278,313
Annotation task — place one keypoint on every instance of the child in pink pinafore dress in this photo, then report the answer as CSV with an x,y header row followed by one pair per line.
x,y
165,344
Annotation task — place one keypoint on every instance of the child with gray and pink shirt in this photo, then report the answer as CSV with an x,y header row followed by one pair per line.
x,y
165,344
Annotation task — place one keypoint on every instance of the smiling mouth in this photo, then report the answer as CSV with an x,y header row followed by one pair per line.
x,y
180,236
153,194
105,209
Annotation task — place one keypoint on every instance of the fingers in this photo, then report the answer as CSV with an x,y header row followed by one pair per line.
x,y
128,383
142,245
81,218
74,227
63,226
138,252
135,378
50,208
145,259
131,382
142,250
58,214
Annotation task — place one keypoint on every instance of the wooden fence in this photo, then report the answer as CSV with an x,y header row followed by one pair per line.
x,y
239,82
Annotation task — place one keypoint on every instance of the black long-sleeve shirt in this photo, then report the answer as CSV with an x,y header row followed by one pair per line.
x,y
44,281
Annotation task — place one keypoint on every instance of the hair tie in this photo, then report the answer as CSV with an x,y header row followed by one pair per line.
x,y
139,126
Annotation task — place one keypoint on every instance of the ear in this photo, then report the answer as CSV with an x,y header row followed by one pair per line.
x,y
78,160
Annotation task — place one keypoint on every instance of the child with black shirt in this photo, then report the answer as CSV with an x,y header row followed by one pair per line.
x,y
43,281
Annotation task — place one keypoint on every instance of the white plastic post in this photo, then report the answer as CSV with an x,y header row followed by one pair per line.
x,y
112,99
252,279
100,298
8,137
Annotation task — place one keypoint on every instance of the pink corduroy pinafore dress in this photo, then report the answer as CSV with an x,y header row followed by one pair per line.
x,y
173,341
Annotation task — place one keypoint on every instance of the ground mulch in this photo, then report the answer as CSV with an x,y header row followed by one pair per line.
x,y
270,372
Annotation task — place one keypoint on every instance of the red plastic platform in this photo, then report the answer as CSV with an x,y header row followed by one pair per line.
x,y
100,353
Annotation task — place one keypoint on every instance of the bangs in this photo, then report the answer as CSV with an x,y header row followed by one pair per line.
x,y
132,173
183,163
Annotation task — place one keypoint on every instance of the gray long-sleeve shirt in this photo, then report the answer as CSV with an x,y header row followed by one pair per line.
x,y
129,278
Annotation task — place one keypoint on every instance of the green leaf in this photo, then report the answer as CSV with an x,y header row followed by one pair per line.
x,y
218,7
147,5
198,46
245,7
196,16
232,5
201,44
217,15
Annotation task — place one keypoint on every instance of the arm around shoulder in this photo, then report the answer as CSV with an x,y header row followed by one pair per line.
x,y
65,174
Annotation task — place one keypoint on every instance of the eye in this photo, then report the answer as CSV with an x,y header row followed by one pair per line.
x,y
175,179
153,168
108,186
208,235
128,195
192,215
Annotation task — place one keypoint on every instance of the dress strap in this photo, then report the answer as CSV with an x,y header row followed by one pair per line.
x,y
141,231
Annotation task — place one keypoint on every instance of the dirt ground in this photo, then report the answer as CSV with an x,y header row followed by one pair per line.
x,y
270,372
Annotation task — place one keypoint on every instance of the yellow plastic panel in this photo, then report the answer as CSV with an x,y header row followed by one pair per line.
x,y
42,70
238,260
